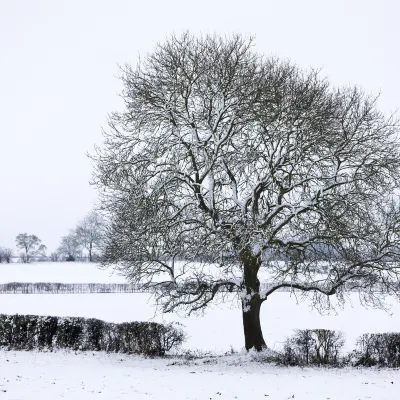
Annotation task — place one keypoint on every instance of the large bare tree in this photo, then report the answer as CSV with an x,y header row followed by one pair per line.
x,y
226,166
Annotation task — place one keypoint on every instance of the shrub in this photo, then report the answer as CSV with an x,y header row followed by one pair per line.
x,y
17,332
94,336
171,336
312,347
46,332
69,334
378,349
27,332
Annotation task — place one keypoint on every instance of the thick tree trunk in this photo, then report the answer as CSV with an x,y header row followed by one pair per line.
x,y
253,336
251,303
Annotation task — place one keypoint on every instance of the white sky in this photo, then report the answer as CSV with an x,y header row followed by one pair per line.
x,y
58,62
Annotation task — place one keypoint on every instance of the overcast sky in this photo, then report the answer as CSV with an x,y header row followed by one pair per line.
x,y
58,68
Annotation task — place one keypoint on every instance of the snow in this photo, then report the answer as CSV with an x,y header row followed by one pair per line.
x,y
114,376
62,272
220,328
49,376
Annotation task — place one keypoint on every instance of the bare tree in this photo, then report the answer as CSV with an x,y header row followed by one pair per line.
x,y
90,232
254,167
55,256
31,247
7,254
69,246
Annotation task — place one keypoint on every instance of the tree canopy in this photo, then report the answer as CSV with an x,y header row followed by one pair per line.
x,y
30,245
227,167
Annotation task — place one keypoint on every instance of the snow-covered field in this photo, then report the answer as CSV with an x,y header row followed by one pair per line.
x,y
49,376
66,375
219,329
62,272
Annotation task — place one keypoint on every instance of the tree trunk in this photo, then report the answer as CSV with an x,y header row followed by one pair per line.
x,y
90,252
253,336
251,303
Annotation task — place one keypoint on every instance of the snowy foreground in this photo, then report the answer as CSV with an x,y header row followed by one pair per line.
x,y
48,376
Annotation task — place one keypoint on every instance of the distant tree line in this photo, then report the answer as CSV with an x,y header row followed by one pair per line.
x,y
86,237
83,243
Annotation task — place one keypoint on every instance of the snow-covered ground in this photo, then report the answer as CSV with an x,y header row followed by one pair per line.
x,y
62,272
33,375
84,272
221,326
49,376
65,375
219,329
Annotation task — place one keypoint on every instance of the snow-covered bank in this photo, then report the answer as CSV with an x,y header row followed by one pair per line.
x,y
47,376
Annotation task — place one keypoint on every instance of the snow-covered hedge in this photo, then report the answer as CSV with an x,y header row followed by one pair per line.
x,y
378,349
73,288
313,347
27,332
325,347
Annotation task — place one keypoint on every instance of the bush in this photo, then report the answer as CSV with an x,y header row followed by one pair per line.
x,y
70,334
312,347
27,332
46,332
17,331
377,349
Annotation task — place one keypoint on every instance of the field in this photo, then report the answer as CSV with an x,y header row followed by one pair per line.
x,y
219,330
48,376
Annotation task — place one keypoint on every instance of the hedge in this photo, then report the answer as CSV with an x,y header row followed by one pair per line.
x,y
28,332
313,347
378,349
325,347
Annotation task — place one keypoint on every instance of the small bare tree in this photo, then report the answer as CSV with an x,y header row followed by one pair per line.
x,y
69,247
257,169
31,247
89,232
7,255
55,256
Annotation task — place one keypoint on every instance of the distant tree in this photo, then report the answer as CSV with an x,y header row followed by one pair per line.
x,y
7,254
97,257
55,256
2,257
22,257
69,246
31,247
90,232
241,160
